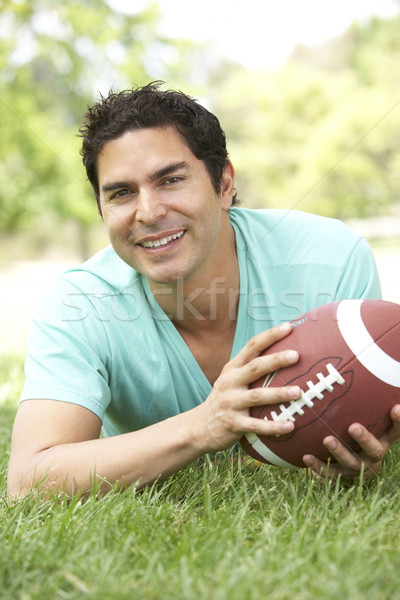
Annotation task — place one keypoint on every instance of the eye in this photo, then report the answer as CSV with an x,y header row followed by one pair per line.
x,y
173,180
119,194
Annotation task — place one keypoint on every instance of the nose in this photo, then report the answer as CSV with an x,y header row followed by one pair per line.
x,y
149,208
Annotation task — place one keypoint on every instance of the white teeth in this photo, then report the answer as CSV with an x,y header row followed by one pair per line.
x,y
163,241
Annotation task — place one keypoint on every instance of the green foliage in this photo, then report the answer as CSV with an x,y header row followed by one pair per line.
x,y
55,59
374,52
320,134
215,530
357,172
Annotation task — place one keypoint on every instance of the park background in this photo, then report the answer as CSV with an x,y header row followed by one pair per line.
x,y
308,93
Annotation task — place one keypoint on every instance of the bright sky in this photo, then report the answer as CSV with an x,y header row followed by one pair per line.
x,y
262,33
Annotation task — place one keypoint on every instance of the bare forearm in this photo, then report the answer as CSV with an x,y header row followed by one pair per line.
x,y
137,458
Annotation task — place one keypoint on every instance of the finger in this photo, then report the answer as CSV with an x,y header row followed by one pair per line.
x,y
262,365
371,446
316,466
347,463
260,342
262,396
393,433
351,463
265,428
347,458
277,360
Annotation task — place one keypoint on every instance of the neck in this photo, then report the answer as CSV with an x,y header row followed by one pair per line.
x,y
204,303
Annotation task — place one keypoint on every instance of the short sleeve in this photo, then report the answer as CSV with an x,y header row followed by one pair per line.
x,y
360,277
68,351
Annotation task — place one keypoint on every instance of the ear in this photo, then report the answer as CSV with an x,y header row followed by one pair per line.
x,y
227,186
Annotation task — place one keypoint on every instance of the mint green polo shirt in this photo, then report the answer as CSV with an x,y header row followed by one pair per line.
x,y
101,340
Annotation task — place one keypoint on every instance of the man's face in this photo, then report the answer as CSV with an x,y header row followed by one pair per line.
x,y
160,209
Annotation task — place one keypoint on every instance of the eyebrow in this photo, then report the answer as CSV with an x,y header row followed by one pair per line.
x,y
167,170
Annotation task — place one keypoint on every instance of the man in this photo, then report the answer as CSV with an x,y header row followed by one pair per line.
x,y
157,338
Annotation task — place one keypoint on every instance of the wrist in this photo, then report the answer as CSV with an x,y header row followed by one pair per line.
x,y
196,430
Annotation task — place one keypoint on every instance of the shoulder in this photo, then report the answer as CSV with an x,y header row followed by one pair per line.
x,y
104,270
287,235
287,221
101,281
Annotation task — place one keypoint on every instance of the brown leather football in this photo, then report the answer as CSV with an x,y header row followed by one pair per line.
x,y
348,371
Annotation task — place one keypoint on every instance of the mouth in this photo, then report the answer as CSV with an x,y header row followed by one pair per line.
x,y
162,241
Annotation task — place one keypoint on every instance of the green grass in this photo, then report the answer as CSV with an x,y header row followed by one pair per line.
x,y
213,532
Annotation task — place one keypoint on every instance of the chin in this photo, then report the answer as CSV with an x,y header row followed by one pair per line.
x,y
168,279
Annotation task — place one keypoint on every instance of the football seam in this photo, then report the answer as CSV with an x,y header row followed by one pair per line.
x,y
341,366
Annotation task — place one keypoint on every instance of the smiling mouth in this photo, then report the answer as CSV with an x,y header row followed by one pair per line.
x,y
163,241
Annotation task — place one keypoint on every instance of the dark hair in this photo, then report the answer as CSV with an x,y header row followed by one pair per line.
x,y
148,106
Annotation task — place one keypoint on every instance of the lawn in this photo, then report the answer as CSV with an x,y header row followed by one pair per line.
x,y
214,532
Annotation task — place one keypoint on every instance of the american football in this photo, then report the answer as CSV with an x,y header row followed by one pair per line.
x,y
348,372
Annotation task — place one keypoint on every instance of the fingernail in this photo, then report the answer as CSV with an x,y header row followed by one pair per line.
x,y
285,327
291,355
287,427
356,433
331,445
294,392
396,411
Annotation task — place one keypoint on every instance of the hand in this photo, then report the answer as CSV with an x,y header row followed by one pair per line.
x,y
224,417
349,464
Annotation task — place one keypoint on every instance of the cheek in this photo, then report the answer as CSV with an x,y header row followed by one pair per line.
x,y
116,223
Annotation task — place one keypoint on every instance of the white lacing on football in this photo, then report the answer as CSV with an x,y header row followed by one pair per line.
x,y
325,384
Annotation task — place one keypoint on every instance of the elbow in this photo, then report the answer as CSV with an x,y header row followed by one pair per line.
x,y
34,476
19,484
24,478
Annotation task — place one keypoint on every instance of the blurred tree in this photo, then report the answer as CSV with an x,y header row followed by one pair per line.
x,y
350,166
320,134
54,59
374,53
268,120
